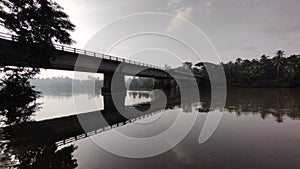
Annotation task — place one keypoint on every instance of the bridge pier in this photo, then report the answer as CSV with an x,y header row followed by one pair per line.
x,y
114,93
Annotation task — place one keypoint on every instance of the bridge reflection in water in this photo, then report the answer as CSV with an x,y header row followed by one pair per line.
x,y
64,130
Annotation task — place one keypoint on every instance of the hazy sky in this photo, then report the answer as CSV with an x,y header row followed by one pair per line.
x,y
245,28
237,28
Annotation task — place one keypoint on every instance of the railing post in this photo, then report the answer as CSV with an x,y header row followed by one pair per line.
x,y
74,50
62,48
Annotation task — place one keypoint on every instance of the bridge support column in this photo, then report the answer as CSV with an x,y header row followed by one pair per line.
x,y
114,93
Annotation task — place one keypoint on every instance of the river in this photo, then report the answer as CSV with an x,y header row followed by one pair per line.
x,y
259,129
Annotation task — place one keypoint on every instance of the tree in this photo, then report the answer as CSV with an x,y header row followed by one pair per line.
x,y
37,25
187,65
167,67
291,66
239,61
278,61
18,97
262,72
36,21
48,156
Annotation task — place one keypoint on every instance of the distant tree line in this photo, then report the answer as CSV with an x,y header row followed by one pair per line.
x,y
67,85
140,83
277,71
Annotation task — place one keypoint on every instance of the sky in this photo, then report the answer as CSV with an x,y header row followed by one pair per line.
x,y
214,30
237,28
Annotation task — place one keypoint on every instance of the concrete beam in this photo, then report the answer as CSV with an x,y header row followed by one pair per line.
x,y
114,92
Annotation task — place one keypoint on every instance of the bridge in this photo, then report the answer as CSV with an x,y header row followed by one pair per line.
x,y
72,59
68,58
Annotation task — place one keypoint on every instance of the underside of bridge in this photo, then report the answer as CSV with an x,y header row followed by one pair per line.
x,y
114,90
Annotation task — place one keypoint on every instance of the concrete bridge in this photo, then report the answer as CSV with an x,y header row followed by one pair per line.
x,y
72,59
68,58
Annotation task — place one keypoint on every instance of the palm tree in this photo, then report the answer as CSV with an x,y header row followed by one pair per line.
x,y
278,61
291,69
291,66
239,61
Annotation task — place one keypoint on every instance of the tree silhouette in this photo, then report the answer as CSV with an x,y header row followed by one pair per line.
x,y
278,71
37,25
37,156
278,61
18,97
292,66
48,156
36,21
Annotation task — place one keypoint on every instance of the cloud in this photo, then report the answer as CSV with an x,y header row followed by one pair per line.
x,y
176,22
187,10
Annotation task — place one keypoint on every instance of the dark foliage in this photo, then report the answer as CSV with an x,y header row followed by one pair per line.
x,y
18,97
278,71
48,157
140,84
37,24
39,21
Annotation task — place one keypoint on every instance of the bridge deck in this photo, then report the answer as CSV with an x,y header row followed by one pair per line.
x,y
72,59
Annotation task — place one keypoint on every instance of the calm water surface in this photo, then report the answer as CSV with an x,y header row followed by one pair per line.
x,y
56,105
260,128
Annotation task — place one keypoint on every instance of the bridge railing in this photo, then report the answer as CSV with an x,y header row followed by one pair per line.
x,y
86,52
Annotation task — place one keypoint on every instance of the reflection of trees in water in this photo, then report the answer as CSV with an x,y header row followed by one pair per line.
x,y
34,48
68,86
48,157
139,94
140,83
18,103
18,97
37,157
278,103
7,159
